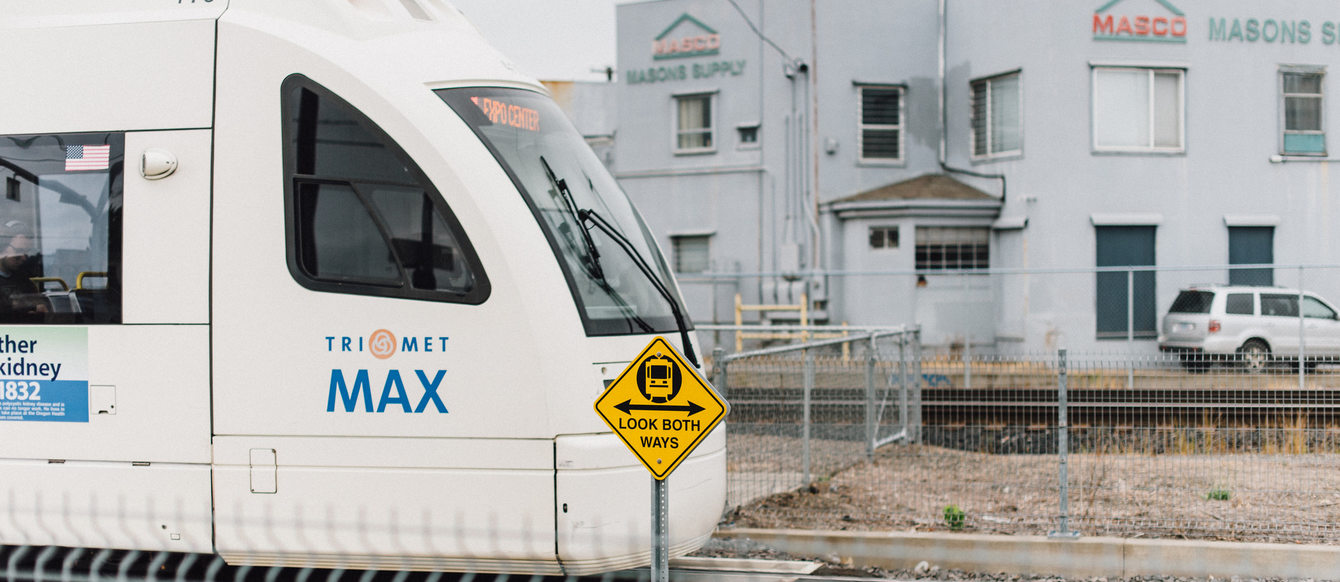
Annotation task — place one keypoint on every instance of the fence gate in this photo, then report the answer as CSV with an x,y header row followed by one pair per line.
x,y
800,413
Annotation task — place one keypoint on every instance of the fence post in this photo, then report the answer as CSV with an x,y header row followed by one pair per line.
x,y
871,429
967,361
719,370
804,317
1063,449
903,414
739,321
1302,341
805,429
1130,328
915,434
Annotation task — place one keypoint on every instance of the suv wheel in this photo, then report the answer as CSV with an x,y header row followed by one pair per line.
x,y
1254,355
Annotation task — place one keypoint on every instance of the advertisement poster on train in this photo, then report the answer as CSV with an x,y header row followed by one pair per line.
x,y
44,374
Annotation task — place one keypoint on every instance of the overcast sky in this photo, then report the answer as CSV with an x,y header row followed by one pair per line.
x,y
551,40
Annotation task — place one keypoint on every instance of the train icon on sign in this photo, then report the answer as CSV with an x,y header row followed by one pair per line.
x,y
658,378
658,374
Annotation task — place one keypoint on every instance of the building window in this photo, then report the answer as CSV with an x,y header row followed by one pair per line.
x,y
1125,246
692,253
947,248
12,189
748,136
881,124
1302,95
997,115
1251,245
883,237
693,125
1138,110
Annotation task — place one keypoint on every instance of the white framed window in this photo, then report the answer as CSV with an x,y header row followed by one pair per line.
x,y
1137,109
953,248
693,253
997,116
1303,110
881,123
694,123
883,237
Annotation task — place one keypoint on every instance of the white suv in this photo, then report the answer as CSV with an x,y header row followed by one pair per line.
x,y
1251,325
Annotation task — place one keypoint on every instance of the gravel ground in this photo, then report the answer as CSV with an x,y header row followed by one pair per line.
x,y
1255,497
1258,497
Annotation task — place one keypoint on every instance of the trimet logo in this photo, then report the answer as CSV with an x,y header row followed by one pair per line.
x,y
1167,24
383,344
692,39
375,389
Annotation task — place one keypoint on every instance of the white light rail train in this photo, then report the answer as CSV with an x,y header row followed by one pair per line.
x,y
316,283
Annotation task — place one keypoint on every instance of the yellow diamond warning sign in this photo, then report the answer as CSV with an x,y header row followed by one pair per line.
x,y
661,408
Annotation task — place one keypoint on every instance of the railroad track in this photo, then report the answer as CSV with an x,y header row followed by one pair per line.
x,y
1034,406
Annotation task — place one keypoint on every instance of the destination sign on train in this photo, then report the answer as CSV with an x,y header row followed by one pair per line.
x,y
661,408
502,113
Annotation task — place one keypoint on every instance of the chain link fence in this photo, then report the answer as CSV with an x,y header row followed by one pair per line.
x,y
1198,401
1051,443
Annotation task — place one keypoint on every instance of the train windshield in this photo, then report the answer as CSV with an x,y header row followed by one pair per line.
x,y
567,189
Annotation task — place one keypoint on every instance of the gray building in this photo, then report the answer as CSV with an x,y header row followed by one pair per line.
x,y
984,168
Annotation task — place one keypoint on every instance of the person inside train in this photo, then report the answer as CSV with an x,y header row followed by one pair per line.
x,y
20,299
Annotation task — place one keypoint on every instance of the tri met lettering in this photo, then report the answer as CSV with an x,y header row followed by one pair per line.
x,y
407,344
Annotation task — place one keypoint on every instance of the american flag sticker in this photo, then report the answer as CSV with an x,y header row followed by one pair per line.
x,y
87,157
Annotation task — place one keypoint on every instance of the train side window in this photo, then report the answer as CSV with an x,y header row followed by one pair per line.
x,y
343,242
362,217
60,228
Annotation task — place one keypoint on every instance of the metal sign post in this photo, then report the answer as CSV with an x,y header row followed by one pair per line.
x,y
660,531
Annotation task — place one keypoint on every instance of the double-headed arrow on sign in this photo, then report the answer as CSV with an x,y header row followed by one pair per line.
x,y
628,407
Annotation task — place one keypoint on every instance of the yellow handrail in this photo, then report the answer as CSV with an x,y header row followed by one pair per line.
x,y
42,281
79,280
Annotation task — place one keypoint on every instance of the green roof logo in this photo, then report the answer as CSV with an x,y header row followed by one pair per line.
x,y
685,37
1166,25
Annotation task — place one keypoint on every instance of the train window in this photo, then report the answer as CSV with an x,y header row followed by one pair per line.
x,y
568,189
362,217
344,244
60,228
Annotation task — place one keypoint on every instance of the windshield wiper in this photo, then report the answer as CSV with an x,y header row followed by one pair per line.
x,y
561,186
627,246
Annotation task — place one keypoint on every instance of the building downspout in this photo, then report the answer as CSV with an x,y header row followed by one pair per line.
x,y
816,256
944,114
